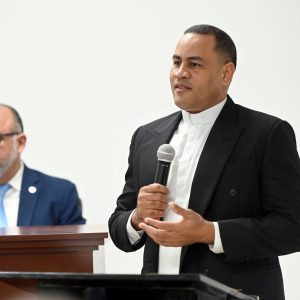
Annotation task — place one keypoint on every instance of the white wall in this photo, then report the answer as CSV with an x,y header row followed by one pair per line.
x,y
85,73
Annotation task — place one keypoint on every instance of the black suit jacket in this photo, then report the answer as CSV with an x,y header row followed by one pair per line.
x,y
247,179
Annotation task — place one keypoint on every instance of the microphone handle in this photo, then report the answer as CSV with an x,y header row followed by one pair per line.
x,y
162,172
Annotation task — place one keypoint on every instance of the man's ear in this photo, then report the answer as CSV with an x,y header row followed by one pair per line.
x,y
21,142
227,72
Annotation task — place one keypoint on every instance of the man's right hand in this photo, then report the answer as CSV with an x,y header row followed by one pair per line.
x,y
152,202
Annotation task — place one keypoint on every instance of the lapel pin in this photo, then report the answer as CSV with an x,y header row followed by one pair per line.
x,y
32,189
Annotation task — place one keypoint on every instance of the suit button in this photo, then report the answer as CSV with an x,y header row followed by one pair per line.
x,y
206,272
232,192
245,259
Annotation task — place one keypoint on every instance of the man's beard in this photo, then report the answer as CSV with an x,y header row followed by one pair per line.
x,y
5,165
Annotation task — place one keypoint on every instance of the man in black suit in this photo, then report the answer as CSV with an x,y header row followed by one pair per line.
x,y
232,202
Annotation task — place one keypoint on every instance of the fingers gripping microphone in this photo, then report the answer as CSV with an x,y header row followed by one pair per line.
x,y
165,155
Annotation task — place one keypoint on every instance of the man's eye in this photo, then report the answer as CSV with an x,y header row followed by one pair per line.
x,y
195,65
176,63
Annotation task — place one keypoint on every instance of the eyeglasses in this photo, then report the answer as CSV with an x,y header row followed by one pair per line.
x,y
4,135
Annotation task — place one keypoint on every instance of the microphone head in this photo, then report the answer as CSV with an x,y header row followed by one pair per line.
x,y
166,153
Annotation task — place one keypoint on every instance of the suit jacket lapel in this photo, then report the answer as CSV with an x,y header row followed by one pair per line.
x,y
220,143
28,197
154,138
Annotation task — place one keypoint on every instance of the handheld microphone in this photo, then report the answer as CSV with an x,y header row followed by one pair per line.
x,y
165,155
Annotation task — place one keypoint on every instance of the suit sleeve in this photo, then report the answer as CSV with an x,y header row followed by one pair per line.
x,y
126,203
71,211
277,231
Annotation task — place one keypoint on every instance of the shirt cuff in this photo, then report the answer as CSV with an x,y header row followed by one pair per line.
x,y
133,235
217,247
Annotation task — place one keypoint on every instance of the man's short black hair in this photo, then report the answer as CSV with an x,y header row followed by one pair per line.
x,y
18,120
224,43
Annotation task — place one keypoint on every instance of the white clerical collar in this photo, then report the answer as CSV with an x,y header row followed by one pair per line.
x,y
207,116
16,181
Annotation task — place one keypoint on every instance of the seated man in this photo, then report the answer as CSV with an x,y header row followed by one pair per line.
x,y
29,197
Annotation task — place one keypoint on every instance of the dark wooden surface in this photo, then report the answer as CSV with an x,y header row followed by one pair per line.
x,y
122,286
47,249
50,248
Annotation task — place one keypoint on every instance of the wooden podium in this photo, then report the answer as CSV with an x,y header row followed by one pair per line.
x,y
48,249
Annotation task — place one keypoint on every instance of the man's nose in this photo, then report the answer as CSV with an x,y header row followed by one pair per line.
x,y
182,72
